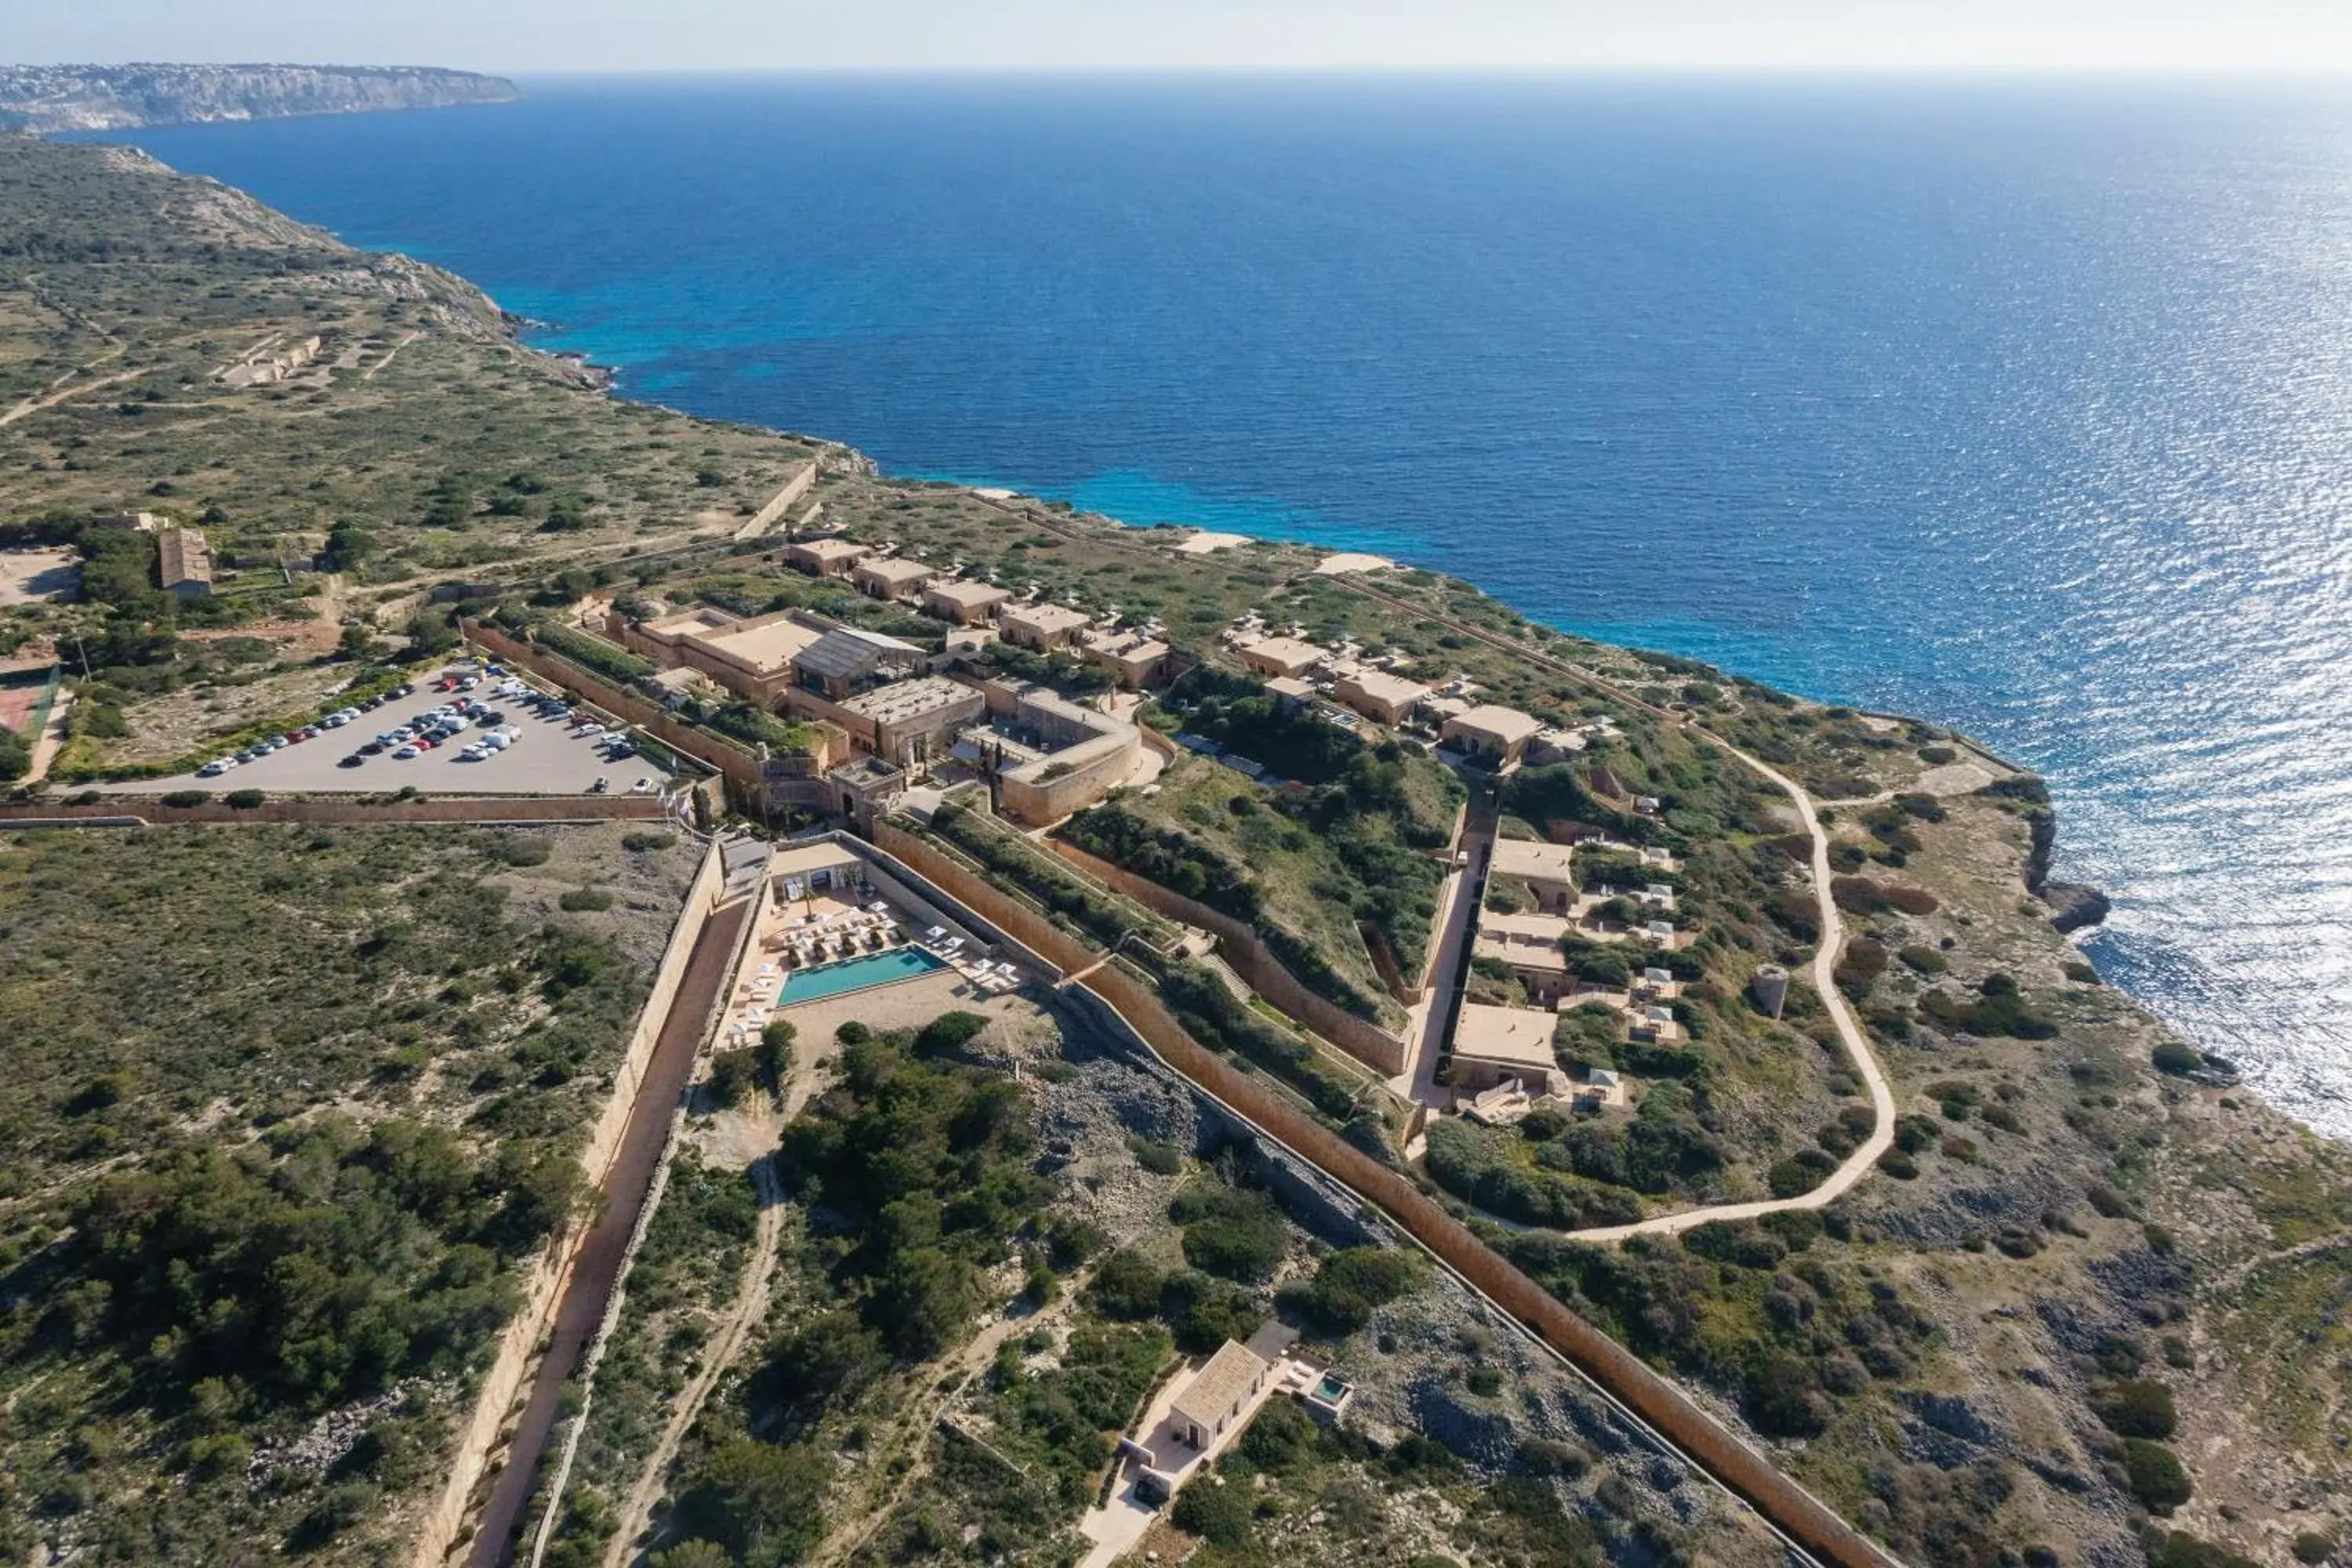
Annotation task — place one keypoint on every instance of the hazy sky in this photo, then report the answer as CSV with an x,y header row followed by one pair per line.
x,y
671,34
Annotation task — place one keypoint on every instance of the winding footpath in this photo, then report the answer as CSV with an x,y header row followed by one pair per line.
x,y
1865,1061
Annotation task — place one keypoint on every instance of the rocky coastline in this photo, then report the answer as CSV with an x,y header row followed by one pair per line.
x,y
50,100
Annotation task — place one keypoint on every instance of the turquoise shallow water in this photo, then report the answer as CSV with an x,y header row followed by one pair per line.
x,y
2025,407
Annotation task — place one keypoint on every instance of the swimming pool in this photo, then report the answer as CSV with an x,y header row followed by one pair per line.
x,y
859,974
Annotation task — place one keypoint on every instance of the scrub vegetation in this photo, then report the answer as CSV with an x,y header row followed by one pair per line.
x,y
273,1165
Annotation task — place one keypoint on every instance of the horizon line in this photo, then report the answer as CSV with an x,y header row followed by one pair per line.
x,y
1976,69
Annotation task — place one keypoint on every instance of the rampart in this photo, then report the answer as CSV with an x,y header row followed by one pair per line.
x,y
1617,1371
1240,946
121,810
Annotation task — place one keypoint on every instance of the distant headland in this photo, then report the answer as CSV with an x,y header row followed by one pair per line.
x,y
49,99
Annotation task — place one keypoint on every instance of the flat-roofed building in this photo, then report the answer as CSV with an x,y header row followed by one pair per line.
x,y
914,721
1548,869
1132,658
1281,656
891,577
183,563
1489,731
1291,691
1083,754
1530,944
1505,1044
965,604
868,787
1214,1401
1042,627
1379,696
751,657
831,557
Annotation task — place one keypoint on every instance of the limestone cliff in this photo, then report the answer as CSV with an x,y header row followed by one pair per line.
x,y
44,99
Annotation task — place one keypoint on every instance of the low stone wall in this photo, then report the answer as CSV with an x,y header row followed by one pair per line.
x,y
116,810
1615,1370
1239,945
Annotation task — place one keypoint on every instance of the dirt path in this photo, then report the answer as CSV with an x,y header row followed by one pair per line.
x,y
850,1534
35,404
390,354
598,1263
749,1306
1858,1163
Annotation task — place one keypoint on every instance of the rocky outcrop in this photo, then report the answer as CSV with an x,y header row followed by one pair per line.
x,y
2073,906
44,99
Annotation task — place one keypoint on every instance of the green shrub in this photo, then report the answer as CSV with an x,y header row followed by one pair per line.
x,y
1350,1285
645,843
1213,1510
948,1033
2137,1407
1924,960
585,900
1159,1159
1231,1232
2178,1549
2156,1475
185,797
244,799
2313,1546
2175,1058
1126,1286
521,849
732,1074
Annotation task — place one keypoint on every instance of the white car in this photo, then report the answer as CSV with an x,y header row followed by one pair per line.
x,y
587,730
643,786
333,721
406,753
472,754
489,744
216,767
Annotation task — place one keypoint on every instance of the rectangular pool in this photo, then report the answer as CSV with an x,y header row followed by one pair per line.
x,y
860,974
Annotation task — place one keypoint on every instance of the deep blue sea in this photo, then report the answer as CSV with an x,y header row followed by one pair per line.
x,y
2023,406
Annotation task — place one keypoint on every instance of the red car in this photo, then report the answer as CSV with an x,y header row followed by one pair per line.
x,y
425,742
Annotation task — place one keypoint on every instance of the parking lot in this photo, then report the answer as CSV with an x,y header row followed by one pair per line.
x,y
549,758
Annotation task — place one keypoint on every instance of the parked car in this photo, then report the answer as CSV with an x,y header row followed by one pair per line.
x,y
590,730
406,753
354,760
600,786
618,747
374,748
643,786
404,689
472,754
216,767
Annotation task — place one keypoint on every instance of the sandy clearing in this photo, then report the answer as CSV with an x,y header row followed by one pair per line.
x,y
30,576
1352,561
1954,778
1205,543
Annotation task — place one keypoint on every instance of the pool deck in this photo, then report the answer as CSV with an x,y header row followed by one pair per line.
x,y
895,1002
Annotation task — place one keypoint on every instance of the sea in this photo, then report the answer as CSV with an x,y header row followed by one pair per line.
x,y
2024,405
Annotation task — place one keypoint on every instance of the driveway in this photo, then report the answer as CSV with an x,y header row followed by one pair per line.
x,y
1435,1017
